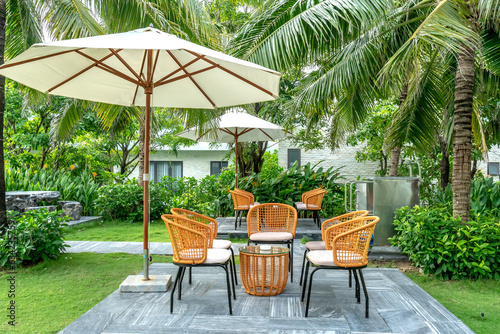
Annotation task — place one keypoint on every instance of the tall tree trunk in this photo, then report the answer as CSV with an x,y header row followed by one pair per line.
x,y
444,164
462,132
3,208
140,178
396,151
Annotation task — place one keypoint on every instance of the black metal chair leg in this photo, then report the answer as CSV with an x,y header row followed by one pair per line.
x,y
350,278
291,262
303,267
236,220
173,289
180,283
232,279
358,293
228,289
367,302
309,291
234,265
190,275
305,280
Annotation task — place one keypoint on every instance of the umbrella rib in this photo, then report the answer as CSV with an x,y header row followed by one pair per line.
x,y
142,76
159,82
107,68
97,63
233,74
127,66
38,58
185,76
264,132
191,78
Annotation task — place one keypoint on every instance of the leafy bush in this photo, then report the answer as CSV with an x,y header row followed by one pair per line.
x,y
79,187
33,236
120,201
441,245
484,197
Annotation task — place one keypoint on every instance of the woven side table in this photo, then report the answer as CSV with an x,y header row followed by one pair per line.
x,y
264,270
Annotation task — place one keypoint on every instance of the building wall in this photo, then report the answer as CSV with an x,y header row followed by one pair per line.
x,y
493,156
342,157
195,163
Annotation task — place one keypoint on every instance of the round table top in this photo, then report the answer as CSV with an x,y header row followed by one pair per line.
x,y
264,250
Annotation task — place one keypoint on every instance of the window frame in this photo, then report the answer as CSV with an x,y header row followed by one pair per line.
x,y
220,166
497,164
298,160
154,177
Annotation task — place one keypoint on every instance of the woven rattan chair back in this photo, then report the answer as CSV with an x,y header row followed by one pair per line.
x,y
350,241
272,217
241,200
199,218
314,199
340,219
190,239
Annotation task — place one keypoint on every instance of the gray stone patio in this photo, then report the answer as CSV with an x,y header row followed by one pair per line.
x,y
397,305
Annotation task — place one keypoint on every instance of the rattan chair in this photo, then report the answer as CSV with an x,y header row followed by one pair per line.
x,y
242,201
320,245
190,241
311,201
214,242
273,223
350,242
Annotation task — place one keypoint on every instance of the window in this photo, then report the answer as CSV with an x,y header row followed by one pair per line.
x,y
159,169
216,167
493,168
293,155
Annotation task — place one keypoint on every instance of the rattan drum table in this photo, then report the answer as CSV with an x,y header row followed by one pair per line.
x,y
264,269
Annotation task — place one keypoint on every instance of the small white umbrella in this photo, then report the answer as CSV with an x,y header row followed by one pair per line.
x,y
126,68
236,126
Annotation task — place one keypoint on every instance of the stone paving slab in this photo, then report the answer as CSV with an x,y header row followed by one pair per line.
x,y
397,305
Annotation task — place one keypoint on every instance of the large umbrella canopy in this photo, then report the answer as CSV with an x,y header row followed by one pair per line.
x,y
233,127
126,68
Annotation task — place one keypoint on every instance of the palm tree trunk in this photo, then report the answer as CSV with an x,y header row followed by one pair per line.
x,y
396,151
3,208
462,132
444,163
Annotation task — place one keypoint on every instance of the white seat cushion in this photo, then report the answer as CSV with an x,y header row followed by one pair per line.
x,y
271,236
315,245
215,255
325,257
302,206
221,244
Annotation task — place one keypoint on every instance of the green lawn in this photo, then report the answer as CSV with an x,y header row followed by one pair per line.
x,y
117,231
53,294
476,303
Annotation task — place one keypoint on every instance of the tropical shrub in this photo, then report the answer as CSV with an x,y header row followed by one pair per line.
x,y
80,187
440,244
32,236
484,195
120,201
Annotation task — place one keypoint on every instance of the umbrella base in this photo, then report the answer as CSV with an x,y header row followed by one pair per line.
x,y
156,283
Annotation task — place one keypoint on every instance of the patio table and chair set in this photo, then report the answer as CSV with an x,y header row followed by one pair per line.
x,y
268,257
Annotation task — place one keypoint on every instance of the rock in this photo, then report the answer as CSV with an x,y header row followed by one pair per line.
x,y
72,209
37,208
20,200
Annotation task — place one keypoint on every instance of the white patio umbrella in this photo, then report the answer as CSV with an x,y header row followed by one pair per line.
x,y
126,68
236,126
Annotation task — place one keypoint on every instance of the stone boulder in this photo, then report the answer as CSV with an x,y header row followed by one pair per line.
x,y
72,209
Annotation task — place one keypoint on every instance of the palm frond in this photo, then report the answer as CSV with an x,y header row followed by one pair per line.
x,y
23,27
68,19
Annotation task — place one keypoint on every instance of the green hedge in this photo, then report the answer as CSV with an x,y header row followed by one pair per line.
x,y
211,195
441,245
32,236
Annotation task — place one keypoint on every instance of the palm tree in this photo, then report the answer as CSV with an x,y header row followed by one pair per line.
x,y
366,48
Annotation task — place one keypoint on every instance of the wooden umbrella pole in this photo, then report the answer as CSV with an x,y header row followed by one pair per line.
x,y
148,90
236,159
